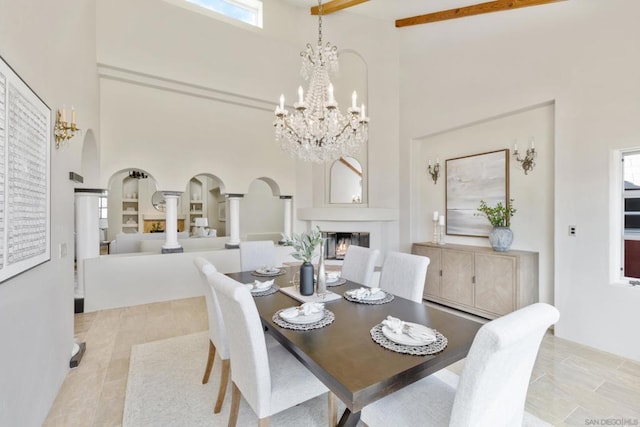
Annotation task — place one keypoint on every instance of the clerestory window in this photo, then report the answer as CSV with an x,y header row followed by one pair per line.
x,y
247,11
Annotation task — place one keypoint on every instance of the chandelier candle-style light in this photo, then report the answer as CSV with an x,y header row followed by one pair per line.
x,y
316,130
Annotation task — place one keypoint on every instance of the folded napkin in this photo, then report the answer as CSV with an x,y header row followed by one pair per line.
x,y
258,285
304,310
398,326
363,292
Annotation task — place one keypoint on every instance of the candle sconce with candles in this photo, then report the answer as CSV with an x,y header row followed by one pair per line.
x,y
434,171
528,161
62,130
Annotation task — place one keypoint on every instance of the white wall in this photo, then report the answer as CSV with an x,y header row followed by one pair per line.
x,y
201,99
51,45
532,224
583,55
261,211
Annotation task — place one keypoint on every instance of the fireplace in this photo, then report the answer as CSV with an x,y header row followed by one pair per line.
x,y
338,242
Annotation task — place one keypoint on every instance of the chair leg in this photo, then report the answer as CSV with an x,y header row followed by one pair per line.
x,y
235,405
212,355
263,422
333,410
224,381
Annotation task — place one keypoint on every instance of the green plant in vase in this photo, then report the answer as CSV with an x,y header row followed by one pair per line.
x,y
304,247
499,216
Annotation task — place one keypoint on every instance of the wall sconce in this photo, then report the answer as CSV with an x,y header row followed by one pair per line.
x,y
434,170
527,162
62,130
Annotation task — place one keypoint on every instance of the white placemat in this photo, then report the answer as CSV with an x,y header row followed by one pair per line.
x,y
295,293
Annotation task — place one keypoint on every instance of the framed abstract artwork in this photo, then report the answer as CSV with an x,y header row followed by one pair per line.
x,y
25,187
470,179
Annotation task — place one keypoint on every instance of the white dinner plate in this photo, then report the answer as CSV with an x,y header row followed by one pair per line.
x,y
269,271
255,290
302,319
375,297
405,339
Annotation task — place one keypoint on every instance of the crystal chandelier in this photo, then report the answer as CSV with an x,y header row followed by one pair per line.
x,y
316,130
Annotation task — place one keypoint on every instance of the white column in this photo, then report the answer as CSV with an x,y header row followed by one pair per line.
x,y
87,230
171,245
288,217
234,220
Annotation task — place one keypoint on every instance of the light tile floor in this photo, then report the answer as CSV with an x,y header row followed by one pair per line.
x,y
571,385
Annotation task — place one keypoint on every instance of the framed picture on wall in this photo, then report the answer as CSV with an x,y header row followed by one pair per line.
x,y
471,179
25,165
222,211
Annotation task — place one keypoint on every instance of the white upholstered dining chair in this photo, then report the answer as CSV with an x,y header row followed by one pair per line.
x,y
256,254
217,332
269,378
358,264
493,384
404,275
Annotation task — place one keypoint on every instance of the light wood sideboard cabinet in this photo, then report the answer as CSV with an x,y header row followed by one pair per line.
x,y
479,280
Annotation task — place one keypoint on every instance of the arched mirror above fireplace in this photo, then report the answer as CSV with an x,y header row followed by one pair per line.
x,y
346,178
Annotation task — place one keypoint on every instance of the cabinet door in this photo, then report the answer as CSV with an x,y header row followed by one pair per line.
x,y
432,282
457,276
495,283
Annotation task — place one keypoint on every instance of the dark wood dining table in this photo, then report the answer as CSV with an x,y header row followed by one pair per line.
x,y
344,356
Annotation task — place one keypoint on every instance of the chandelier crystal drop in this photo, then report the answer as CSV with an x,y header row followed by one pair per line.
x,y
316,130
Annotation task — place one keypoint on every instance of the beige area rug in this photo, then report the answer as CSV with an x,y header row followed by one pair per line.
x,y
164,389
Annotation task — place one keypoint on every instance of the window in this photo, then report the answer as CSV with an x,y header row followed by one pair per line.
x,y
631,215
247,11
102,207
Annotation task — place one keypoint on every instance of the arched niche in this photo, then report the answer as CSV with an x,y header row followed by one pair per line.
x,y
262,211
346,181
353,75
129,201
204,197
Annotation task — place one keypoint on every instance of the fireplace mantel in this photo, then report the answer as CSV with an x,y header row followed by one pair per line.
x,y
347,214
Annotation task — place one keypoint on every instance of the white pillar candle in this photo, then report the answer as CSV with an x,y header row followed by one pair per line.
x,y
282,102
435,215
330,92
63,114
354,100
515,147
533,143
300,95
73,115
362,113
441,219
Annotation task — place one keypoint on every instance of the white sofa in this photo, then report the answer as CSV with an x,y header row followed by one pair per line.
x,y
125,243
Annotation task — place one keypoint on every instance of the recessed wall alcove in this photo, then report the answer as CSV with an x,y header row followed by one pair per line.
x,y
533,194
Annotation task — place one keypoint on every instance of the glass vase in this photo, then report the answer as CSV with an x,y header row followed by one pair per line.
x,y
306,279
321,287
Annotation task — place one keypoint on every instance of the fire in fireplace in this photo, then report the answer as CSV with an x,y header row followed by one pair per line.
x,y
338,242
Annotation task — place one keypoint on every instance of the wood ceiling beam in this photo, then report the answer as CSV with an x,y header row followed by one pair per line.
x,y
476,9
336,5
